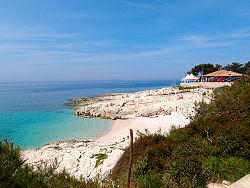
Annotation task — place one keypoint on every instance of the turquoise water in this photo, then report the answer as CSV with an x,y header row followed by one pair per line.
x,y
33,114
36,128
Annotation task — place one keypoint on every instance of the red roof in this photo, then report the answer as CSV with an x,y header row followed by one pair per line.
x,y
222,73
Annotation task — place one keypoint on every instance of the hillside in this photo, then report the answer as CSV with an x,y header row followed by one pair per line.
x,y
212,148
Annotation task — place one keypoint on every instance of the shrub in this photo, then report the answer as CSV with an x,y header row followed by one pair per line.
x,y
230,168
143,145
150,179
140,168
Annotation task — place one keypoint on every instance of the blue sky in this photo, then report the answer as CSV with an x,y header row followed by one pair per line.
x,y
59,40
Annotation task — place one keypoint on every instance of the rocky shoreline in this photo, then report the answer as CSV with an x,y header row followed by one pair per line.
x,y
152,110
143,104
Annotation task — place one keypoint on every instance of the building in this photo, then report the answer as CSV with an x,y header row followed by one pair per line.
x,y
221,76
189,78
212,80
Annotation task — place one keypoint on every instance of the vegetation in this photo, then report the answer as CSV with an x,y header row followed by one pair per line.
x,y
203,69
211,148
100,157
236,67
185,88
247,67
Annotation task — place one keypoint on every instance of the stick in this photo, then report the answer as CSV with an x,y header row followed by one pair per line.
x,y
208,135
131,157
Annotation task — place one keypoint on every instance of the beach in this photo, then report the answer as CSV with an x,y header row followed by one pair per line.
x,y
146,112
162,124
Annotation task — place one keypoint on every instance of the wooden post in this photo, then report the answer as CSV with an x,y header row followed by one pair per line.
x,y
131,157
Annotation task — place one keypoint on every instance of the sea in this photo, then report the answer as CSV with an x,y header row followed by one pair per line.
x,y
33,114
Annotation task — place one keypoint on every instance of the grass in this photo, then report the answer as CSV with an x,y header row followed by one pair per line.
x,y
100,157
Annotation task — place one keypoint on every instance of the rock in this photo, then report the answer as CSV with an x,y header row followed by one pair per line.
x,y
242,183
224,182
76,157
117,107
216,185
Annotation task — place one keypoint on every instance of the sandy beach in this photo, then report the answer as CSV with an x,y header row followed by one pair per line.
x,y
120,128
147,111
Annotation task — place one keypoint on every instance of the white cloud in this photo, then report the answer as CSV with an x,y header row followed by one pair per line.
x,y
197,41
85,51
63,53
194,38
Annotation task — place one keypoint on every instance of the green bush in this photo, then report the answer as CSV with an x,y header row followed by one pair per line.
x,y
150,179
231,168
10,162
140,168
142,144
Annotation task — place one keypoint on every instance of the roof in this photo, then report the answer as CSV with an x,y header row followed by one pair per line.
x,y
190,77
222,73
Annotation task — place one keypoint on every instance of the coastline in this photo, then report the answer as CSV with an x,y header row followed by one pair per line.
x,y
144,103
140,112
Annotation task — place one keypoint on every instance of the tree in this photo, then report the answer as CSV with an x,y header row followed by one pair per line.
x,y
235,67
203,69
217,67
247,68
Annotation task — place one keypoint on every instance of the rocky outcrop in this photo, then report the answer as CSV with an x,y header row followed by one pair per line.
x,y
144,103
79,158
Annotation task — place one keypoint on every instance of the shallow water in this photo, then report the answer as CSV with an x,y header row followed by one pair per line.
x,y
33,114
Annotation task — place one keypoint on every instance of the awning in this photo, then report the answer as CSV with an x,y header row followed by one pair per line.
x,y
190,77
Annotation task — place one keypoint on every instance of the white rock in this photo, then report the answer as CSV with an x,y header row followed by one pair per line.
x,y
242,183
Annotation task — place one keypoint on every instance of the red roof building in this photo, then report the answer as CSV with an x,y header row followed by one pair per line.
x,y
223,73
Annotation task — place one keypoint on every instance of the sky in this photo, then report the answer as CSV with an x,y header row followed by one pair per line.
x,y
82,40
